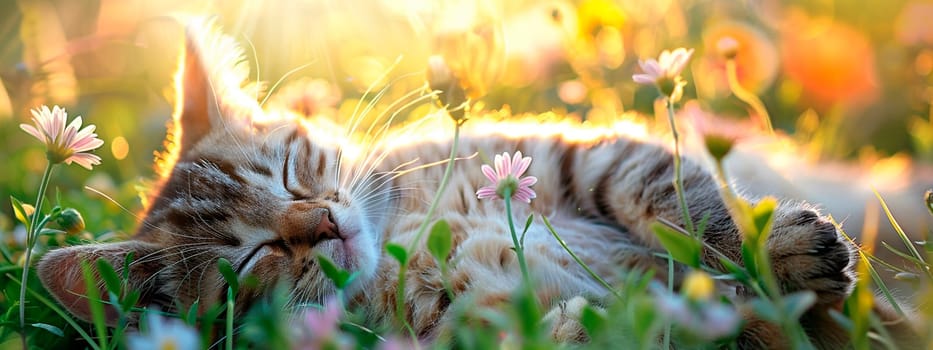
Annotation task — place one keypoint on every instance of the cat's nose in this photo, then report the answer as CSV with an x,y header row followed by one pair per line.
x,y
326,228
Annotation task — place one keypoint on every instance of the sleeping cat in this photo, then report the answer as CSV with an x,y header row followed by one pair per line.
x,y
271,193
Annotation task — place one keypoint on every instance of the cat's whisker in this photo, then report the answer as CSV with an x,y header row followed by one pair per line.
x,y
200,279
371,163
138,218
252,49
384,127
295,298
281,80
389,195
374,140
381,189
354,187
160,253
271,132
298,297
386,149
398,173
211,229
356,116
184,259
394,106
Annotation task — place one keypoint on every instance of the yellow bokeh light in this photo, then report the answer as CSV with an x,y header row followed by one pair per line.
x,y
119,147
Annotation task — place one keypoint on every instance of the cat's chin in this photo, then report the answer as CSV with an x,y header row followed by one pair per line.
x,y
341,253
355,251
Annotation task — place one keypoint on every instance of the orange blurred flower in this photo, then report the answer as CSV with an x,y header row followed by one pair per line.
x,y
832,62
755,57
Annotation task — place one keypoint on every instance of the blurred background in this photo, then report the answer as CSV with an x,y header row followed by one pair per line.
x,y
848,84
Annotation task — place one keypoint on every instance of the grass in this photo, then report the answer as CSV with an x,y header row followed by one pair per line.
x,y
641,312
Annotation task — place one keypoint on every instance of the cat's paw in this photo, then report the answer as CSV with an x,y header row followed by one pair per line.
x,y
808,253
565,321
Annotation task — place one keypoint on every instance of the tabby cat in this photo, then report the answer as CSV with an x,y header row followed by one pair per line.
x,y
270,193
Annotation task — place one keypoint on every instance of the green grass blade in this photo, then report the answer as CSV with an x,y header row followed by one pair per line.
x,y
920,264
879,282
64,315
886,264
899,230
97,307
875,276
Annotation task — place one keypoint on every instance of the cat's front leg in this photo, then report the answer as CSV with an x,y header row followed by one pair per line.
x,y
808,253
632,183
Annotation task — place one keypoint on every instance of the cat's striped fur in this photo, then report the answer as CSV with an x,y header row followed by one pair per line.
x,y
269,194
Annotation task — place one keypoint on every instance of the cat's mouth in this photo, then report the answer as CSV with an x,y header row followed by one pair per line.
x,y
342,250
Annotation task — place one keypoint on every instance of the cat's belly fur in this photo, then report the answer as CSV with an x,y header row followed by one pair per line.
x,y
483,269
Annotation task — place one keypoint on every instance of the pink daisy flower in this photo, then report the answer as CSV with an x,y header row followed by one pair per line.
x,y
508,175
667,67
64,143
320,328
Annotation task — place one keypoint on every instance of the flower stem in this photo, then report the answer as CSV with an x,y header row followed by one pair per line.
x,y
670,288
400,302
764,283
440,188
31,237
519,248
678,176
681,198
229,324
747,96
732,201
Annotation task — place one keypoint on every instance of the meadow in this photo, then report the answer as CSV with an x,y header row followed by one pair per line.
x,y
823,101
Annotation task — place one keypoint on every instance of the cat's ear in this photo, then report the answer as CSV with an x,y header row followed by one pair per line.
x,y
211,85
61,272
195,101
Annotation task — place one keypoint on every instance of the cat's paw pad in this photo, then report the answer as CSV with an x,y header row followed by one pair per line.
x,y
808,253
565,321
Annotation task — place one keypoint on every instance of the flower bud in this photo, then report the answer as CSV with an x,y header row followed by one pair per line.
x,y
71,221
450,94
718,146
698,286
928,198
28,210
727,47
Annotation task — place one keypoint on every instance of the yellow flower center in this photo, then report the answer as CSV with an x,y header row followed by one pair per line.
x,y
57,154
168,344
